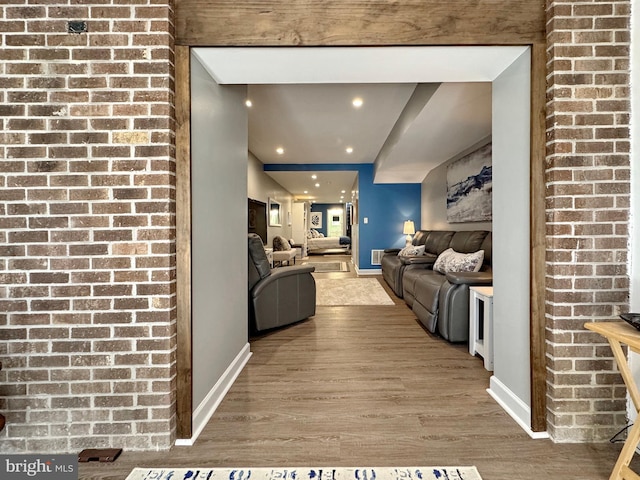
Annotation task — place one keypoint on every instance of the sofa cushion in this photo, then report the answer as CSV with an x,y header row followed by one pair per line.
x,y
411,251
468,241
280,244
437,241
452,261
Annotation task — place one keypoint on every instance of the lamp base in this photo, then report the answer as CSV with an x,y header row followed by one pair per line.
x,y
409,240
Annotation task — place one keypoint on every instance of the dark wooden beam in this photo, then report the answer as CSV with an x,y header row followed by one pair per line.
x,y
184,398
538,247
358,22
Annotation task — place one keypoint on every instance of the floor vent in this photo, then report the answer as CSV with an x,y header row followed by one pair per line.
x,y
376,257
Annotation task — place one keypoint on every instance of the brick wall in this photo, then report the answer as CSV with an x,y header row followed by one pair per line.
x,y
87,298
87,239
588,167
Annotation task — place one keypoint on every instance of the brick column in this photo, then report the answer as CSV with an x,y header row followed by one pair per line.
x,y
587,178
87,296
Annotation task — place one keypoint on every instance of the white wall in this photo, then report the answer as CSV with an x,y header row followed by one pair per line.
x,y
261,186
219,228
434,198
510,383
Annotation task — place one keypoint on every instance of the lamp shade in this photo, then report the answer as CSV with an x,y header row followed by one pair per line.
x,y
408,228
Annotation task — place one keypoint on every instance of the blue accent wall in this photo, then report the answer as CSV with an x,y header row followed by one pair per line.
x,y
386,205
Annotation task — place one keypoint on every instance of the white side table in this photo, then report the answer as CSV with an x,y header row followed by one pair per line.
x,y
481,324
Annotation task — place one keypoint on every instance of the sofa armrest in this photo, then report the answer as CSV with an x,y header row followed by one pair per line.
x,y
292,270
470,278
393,251
423,260
279,273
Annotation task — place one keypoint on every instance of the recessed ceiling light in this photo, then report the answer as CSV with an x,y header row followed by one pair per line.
x,y
343,191
317,184
279,150
306,191
357,102
349,150
248,103
314,176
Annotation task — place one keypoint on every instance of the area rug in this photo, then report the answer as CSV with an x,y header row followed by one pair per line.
x,y
351,291
307,473
323,267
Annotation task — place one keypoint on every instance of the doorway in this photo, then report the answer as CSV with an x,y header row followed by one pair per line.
x,y
537,398
335,222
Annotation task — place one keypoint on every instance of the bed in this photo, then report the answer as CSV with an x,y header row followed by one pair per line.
x,y
325,243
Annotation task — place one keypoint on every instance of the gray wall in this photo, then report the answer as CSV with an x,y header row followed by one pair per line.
x,y
511,244
434,198
219,223
261,186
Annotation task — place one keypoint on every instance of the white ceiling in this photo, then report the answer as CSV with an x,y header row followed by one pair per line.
x,y
407,125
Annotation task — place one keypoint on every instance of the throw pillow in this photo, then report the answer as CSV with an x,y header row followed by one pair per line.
x,y
411,251
452,261
280,244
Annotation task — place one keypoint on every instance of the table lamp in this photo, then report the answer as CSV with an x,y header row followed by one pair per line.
x,y
408,229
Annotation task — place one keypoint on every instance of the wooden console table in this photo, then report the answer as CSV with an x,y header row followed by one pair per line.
x,y
618,333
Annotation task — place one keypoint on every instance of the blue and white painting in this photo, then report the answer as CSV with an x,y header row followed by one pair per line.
x,y
469,187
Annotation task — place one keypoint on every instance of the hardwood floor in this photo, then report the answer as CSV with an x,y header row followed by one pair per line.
x,y
367,386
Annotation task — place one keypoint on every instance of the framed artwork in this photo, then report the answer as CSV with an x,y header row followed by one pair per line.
x,y
275,213
469,186
316,220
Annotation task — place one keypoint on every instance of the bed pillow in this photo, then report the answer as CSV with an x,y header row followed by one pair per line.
x,y
452,261
411,251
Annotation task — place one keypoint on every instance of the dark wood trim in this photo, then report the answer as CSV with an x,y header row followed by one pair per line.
x,y
184,360
538,247
357,22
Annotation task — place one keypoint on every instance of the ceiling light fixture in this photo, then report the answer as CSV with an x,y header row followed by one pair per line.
x,y
317,184
248,103
279,150
349,150
343,191
357,102
314,176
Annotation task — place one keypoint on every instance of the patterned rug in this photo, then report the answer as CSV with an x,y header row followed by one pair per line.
x,y
306,473
351,291
323,267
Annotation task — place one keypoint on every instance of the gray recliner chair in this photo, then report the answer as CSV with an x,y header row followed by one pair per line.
x,y
280,296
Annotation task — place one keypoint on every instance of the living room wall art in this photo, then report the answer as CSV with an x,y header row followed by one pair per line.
x,y
469,187
316,219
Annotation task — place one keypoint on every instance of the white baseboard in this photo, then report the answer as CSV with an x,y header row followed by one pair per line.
x,y
368,271
206,409
514,406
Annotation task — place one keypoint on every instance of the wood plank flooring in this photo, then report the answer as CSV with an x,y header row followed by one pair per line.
x,y
367,386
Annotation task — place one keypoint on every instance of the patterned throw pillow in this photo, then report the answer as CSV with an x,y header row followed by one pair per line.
x,y
452,261
411,251
280,244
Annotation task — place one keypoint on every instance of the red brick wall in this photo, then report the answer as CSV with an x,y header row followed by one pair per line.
x,y
588,167
87,237
87,241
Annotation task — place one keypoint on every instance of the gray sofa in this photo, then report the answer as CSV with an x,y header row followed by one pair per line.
x,y
440,301
279,296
